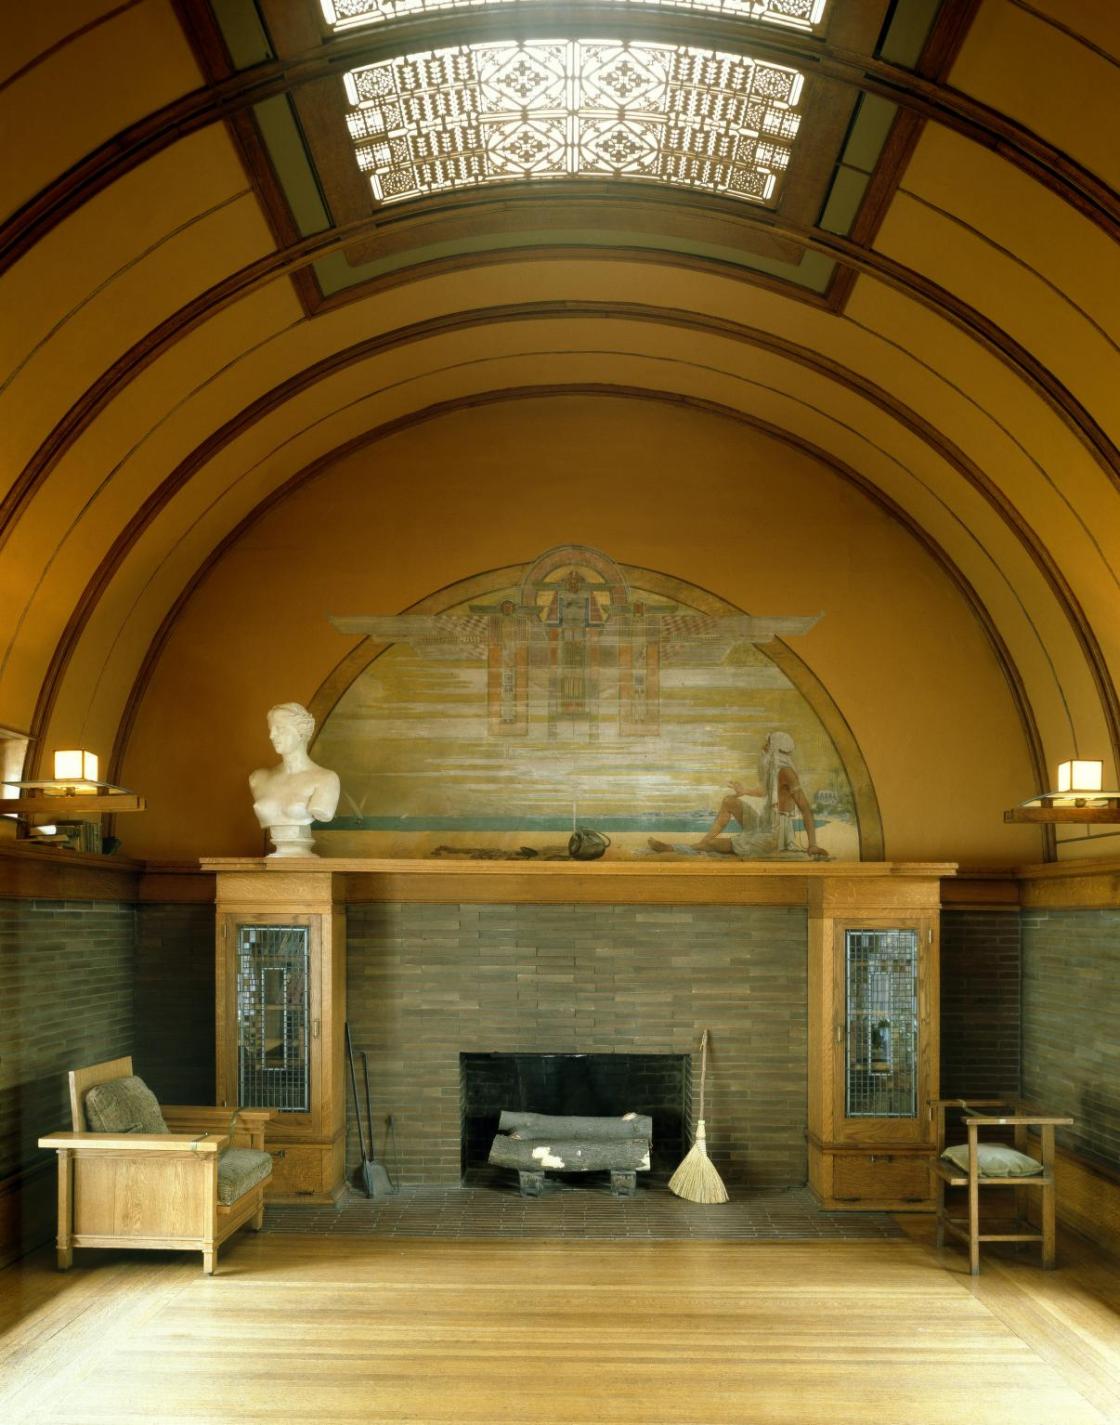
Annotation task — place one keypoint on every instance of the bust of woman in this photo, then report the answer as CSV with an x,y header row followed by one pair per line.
x,y
289,797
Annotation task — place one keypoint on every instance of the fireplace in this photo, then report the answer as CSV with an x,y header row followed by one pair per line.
x,y
590,1085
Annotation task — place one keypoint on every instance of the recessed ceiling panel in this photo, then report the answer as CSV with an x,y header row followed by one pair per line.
x,y
475,114
796,14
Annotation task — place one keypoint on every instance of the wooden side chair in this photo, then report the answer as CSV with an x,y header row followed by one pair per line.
x,y
133,1175
975,1165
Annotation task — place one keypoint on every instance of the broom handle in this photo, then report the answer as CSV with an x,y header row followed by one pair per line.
x,y
703,1069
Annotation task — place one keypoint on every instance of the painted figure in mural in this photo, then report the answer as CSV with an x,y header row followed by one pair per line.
x,y
768,831
289,797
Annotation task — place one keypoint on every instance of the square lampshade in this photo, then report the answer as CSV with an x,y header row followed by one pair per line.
x,y
1080,775
75,765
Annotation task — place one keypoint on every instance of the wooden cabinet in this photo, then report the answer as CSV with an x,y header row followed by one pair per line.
x,y
873,1035
281,1012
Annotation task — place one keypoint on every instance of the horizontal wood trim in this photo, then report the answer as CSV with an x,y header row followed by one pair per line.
x,y
964,891
34,873
175,886
1080,886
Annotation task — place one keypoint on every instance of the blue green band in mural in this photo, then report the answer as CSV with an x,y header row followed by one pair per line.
x,y
576,701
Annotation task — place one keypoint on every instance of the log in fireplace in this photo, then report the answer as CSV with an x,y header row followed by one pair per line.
x,y
586,1085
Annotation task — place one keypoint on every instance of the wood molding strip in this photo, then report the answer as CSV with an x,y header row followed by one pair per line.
x,y
329,365
138,142
1000,650
284,262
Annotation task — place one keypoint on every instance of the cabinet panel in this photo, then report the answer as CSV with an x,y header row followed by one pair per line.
x,y
880,1177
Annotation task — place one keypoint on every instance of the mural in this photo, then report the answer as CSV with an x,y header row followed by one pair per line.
x,y
576,701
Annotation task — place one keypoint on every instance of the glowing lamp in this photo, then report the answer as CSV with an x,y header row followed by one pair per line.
x,y
75,765
1080,776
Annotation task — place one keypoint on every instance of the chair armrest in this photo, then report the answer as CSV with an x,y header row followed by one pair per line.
x,y
244,1124
1025,1119
141,1142
969,1102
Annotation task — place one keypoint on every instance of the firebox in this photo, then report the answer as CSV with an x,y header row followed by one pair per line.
x,y
589,1085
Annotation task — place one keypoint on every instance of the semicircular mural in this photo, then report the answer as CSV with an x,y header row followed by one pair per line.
x,y
506,714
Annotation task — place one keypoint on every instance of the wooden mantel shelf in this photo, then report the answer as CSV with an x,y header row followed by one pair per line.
x,y
374,866
653,883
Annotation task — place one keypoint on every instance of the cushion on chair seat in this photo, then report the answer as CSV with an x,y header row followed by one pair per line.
x,y
240,1169
123,1106
994,1160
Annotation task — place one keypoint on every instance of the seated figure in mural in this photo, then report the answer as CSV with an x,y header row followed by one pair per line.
x,y
289,797
768,831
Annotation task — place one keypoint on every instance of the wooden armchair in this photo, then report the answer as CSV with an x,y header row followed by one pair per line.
x,y
189,1186
980,1113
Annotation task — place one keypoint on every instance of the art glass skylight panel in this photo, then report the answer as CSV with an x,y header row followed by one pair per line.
x,y
454,118
794,14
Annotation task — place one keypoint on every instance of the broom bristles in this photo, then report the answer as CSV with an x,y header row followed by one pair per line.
x,y
696,1179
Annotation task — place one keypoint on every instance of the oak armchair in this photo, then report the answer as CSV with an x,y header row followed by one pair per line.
x,y
183,1177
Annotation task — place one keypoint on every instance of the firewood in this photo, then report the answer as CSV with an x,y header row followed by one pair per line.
x,y
633,1125
628,1154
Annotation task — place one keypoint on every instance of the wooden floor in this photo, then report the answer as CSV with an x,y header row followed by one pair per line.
x,y
383,1332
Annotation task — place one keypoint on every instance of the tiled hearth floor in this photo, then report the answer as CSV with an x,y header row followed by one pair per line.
x,y
586,1211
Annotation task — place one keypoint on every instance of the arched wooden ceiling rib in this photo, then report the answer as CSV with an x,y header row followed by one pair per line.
x,y
845,472
285,261
950,107
278,398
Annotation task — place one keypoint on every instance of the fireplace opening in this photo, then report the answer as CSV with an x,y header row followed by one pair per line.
x,y
588,1085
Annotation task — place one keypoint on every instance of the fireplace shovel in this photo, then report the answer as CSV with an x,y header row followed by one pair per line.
x,y
375,1180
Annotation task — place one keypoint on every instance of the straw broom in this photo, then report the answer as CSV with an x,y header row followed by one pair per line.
x,y
696,1179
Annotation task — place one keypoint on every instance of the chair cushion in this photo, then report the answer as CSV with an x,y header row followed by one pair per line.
x,y
994,1160
123,1106
240,1169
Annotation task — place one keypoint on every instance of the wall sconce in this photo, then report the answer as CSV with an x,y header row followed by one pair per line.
x,y
1079,797
75,770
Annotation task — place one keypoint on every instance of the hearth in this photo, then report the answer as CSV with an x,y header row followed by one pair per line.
x,y
574,1084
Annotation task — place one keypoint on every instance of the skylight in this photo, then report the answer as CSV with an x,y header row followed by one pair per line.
x,y
795,14
476,114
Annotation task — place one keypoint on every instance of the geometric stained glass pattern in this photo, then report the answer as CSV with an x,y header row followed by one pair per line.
x,y
795,14
453,118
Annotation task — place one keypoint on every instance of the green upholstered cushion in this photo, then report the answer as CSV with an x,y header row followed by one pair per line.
x,y
994,1160
123,1106
240,1169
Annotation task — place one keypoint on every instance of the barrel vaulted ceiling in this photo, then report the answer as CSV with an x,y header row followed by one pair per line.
x,y
203,302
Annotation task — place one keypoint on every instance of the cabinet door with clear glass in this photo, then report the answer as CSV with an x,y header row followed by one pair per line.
x,y
881,1089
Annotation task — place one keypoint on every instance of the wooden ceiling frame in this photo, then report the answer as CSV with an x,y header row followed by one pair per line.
x,y
806,357
239,91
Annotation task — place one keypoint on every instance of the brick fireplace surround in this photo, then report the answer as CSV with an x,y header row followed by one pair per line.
x,y
428,982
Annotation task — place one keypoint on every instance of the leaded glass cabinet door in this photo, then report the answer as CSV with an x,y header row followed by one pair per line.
x,y
269,1052
274,1017
882,1067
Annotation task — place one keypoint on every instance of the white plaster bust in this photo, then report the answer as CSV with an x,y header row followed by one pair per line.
x,y
289,797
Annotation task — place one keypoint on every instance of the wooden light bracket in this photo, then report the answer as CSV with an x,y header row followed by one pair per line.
x,y
1098,807
50,799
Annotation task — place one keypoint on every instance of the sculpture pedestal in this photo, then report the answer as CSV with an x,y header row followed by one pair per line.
x,y
291,841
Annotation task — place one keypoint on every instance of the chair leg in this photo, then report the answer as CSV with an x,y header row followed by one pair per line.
x,y
973,1225
258,1217
1049,1233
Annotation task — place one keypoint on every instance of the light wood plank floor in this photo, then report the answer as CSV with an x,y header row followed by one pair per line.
x,y
476,1333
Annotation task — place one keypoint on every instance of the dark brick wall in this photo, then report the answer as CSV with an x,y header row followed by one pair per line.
x,y
66,975
1071,1023
174,1043
426,982
980,1002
